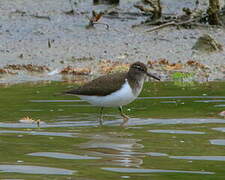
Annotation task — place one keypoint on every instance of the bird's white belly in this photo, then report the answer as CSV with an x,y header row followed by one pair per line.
x,y
119,98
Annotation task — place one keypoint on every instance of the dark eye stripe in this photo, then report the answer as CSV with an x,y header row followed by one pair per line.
x,y
139,67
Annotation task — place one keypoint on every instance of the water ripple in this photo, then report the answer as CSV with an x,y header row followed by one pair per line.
x,y
135,170
220,142
61,155
209,158
132,122
175,131
35,170
40,133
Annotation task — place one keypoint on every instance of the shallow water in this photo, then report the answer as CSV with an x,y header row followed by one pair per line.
x,y
162,140
208,158
61,155
175,131
34,170
134,170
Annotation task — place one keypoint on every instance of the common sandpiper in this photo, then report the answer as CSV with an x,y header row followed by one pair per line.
x,y
114,90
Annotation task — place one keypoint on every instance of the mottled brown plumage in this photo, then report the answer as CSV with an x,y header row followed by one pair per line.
x,y
98,87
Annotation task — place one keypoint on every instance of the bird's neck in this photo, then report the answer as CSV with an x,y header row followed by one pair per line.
x,y
136,82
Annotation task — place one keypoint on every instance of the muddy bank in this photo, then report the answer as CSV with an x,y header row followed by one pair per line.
x,y
42,34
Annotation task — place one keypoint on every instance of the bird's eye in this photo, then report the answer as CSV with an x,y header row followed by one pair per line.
x,y
139,68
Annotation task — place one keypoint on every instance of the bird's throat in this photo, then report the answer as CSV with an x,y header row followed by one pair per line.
x,y
136,83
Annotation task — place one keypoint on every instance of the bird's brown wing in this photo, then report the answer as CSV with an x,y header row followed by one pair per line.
x,y
101,86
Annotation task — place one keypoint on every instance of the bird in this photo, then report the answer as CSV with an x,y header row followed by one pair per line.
x,y
114,90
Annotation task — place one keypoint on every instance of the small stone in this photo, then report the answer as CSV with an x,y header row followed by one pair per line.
x,y
21,56
206,44
222,113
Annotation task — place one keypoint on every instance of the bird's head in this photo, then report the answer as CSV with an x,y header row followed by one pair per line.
x,y
140,68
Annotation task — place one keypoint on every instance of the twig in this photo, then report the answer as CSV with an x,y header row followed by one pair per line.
x,y
161,26
156,22
41,17
172,23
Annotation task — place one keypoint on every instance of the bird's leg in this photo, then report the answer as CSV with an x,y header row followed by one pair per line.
x,y
101,116
125,117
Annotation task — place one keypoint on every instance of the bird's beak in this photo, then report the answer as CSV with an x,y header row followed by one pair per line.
x,y
153,76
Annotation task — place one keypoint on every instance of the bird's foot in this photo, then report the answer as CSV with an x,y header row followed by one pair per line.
x,y
101,117
125,117
125,120
100,121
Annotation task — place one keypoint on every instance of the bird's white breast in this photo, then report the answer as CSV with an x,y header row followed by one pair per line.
x,y
121,97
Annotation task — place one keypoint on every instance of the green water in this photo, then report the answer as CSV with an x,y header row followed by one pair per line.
x,y
71,140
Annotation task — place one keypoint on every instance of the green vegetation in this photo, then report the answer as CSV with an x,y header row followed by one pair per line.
x,y
183,79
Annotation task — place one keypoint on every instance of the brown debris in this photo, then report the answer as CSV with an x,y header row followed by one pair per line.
x,y
95,20
195,64
27,67
163,62
191,67
166,65
189,19
6,71
152,63
174,66
26,120
79,80
84,58
76,71
191,62
96,16
3,71
29,120
107,67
